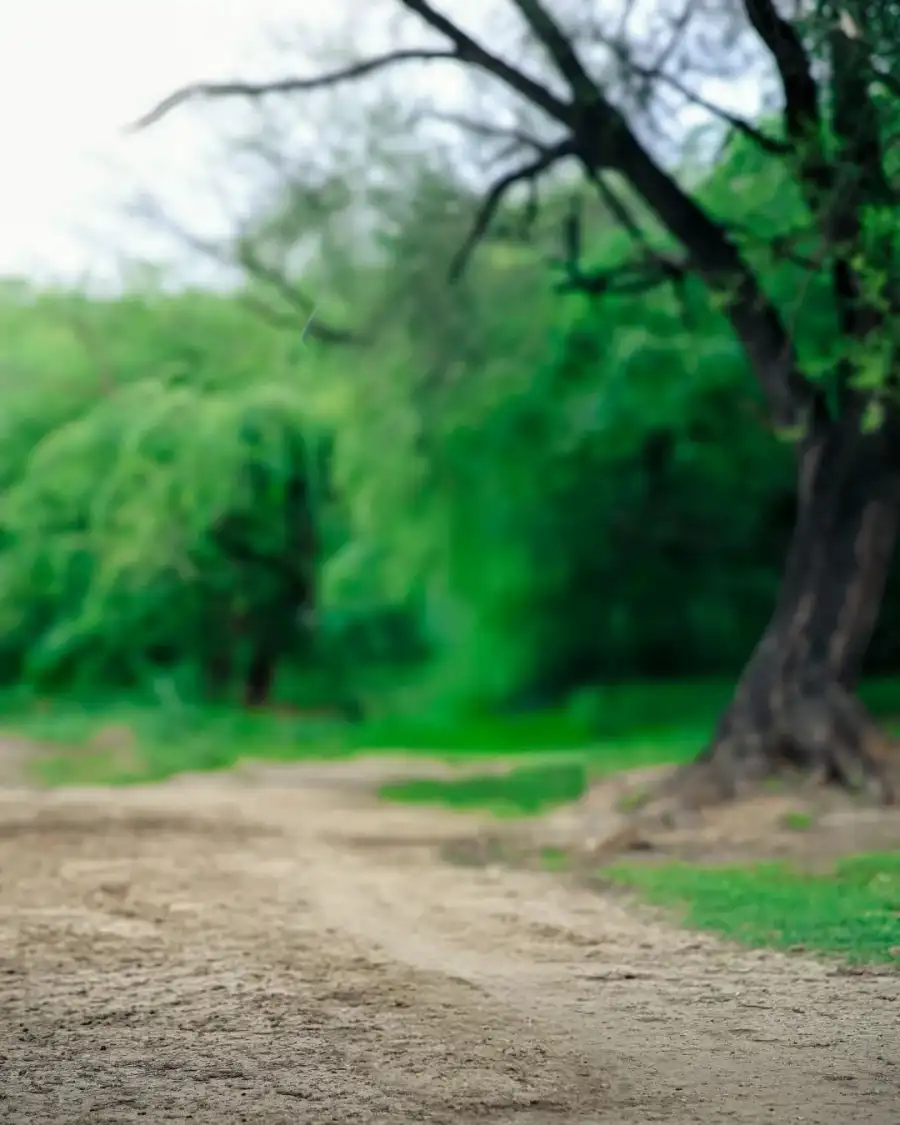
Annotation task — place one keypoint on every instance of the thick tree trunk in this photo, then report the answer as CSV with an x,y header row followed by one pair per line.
x,y
795,704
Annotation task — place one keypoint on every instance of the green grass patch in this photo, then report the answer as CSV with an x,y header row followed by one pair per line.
x,y
129,740
798,821
517,792
625,726
554,859
851,911
536,786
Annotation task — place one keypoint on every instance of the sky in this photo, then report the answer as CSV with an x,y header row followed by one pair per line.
x,y
76,73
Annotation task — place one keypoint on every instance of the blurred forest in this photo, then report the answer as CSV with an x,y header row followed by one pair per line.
x,y
349,484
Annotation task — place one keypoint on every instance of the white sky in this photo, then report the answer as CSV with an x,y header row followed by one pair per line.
x,y
75,73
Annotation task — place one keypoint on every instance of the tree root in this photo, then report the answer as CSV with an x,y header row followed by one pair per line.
x,y
826,737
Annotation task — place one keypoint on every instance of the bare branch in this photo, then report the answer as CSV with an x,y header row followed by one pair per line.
x,y
679,27
484,129
756,322
497,193
202,91
294,297
616,207
738,124
560,49
300,305
469,50
602,138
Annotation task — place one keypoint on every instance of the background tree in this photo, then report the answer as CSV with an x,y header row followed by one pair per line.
x,y
832,137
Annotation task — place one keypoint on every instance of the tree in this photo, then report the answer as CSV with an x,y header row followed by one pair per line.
x,y
160,512
837,102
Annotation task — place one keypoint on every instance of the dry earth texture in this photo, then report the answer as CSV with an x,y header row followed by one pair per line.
x,y
280,947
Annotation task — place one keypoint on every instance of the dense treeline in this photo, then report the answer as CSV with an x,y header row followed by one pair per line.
x,y
507,495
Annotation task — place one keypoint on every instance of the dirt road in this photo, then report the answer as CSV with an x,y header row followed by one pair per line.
x,y
216,953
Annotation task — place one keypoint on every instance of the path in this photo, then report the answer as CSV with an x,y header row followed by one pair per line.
x,y
217,953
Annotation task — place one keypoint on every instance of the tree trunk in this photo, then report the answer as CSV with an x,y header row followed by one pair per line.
x,y
218,670
795,704
260,678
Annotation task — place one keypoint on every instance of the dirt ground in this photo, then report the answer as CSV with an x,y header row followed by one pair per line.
x,y
278,947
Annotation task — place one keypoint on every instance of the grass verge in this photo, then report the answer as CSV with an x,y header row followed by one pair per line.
x,y
851,911
521,791
125,740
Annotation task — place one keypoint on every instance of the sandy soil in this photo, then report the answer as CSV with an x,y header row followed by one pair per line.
x,y
254,950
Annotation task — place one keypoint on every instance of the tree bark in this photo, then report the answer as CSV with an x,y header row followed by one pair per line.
x,y
795,704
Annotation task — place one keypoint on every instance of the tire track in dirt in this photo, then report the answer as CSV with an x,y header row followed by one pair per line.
x,y
215,953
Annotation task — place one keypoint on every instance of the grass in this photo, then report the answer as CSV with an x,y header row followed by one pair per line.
x,y
521,791
169,736
127,740
552,754
798,821
851,911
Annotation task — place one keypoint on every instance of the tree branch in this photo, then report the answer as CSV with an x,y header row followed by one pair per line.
x,y
602,139
627,280
496,195
607,141
802,112
301,305
755,319
768,144
484,129
600,136
679,26
616,207
201,91
294,297
468,50
632,278
860,182
784,247
559,47
856,118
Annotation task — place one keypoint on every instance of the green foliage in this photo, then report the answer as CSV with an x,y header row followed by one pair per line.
x,y
158,511
490,505
536,444
853,911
